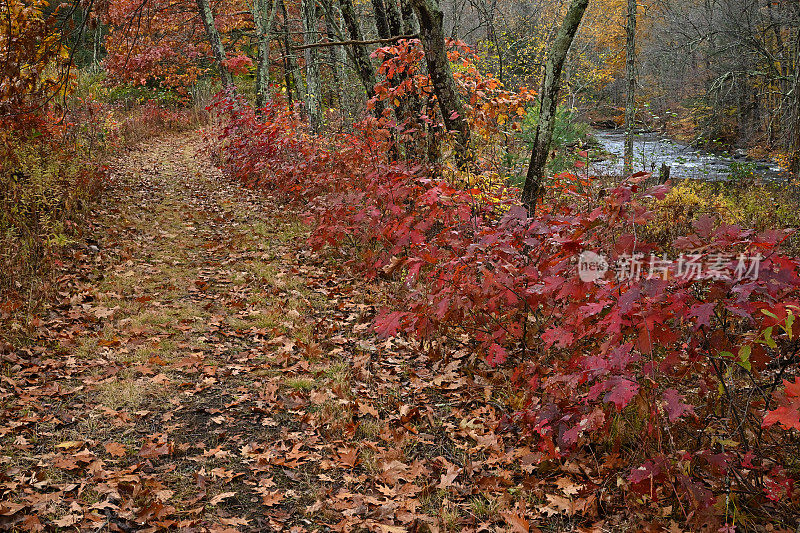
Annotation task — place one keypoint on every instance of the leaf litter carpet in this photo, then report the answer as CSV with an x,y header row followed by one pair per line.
x,y
202,369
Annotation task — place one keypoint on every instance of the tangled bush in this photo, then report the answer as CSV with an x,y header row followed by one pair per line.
x,y
45,188
681,372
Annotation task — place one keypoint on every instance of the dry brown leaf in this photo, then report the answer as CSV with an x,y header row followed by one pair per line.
x,y
235,521
115,449
348,456
569,487
68,520
517,522
448,477
270,498
70,444
219,497
10,508
367,409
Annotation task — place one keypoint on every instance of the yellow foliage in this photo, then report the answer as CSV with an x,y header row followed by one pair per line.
x,y
487,187
755,206
33,52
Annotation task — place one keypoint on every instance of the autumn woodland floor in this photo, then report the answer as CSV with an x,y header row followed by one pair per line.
x,y
203,369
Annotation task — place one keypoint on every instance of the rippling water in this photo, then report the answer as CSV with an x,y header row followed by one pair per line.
x,y
651,151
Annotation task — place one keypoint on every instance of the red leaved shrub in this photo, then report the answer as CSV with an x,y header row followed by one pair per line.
x,y
670,375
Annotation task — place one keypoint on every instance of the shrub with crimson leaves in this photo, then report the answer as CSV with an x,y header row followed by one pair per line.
x,y
689,382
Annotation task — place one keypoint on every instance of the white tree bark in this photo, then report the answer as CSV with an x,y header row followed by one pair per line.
x,y
204,9
311,36
263,16
548,101
630,76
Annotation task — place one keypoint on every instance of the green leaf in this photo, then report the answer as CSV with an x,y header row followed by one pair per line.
x,y
744,358
768,338
789,322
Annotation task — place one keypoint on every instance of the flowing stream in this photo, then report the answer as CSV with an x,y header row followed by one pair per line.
x,y
652,150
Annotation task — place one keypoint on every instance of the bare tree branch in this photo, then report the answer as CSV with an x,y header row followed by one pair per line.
x,y
352,42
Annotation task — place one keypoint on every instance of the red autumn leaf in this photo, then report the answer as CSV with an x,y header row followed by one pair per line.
x,y
703,313
786,415
792,389
621,393
560,337
704,225
497,355
675,405
788,412
388,324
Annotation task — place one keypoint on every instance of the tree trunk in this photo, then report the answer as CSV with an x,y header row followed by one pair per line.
x,y
310,36
263,16
430,18
381,23
496,43
394,18
548,100
794,164
289,63
204,8
410,24
630,75
418,148
366,72
335,53
402,111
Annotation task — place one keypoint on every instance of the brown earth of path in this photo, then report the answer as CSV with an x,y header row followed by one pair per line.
x,y
204,370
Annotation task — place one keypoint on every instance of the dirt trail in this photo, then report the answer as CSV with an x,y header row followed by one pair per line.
x,y
205,370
